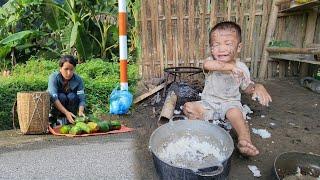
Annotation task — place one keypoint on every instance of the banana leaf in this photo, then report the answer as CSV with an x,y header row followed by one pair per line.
x,y
74,34
52,16
19,36
4,51
83,43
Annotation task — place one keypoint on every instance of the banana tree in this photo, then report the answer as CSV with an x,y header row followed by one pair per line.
x,y
72,34
105,18
88,27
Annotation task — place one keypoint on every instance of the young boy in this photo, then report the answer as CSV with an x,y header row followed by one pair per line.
x,y
220,98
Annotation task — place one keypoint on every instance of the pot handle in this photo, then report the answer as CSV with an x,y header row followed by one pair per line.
x,y
181,117
207,172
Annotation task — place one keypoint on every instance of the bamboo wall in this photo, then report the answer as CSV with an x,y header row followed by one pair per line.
x,y
175,32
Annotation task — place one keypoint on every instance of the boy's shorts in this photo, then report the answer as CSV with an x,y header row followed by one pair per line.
x,y
218,111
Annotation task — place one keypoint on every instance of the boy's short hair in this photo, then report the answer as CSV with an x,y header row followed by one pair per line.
x,y
67,58
226,25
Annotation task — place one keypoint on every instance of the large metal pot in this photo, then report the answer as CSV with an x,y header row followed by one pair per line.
x,y
174,130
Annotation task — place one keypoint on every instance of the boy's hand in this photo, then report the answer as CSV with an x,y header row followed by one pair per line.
x,y
237,73
261,94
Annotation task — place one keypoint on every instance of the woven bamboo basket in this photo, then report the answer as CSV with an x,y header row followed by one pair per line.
x,y
33,112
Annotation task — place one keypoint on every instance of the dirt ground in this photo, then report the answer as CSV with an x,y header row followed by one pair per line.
x,y
295,111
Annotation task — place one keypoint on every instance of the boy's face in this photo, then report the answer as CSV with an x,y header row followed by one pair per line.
x,y
225,45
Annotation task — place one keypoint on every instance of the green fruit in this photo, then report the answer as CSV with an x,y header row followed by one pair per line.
x,y
65,129
115,124
81,119
109,123
92,118
75,130
79,124
93,127
84,127
103,126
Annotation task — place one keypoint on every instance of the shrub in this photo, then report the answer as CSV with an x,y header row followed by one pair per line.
x,y
100,78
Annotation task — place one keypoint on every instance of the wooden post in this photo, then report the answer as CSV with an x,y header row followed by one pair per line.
x,y
144,38
191,32
294,68
262,36
282,69
167,3
270,30
181,49
229,10
156,40
310,29
270,75
252,43
289,69
239,13
213,17
203,29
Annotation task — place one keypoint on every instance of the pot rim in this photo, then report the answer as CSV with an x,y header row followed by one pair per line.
x,y
288,152
200,121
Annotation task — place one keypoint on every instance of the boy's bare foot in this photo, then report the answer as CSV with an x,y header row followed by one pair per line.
x,y
247,148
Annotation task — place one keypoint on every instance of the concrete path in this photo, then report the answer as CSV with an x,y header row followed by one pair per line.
x,y
48,157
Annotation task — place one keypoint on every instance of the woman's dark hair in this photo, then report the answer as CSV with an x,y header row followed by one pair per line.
x,y
226,25
67,58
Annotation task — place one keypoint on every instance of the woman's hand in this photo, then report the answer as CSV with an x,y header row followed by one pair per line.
x,y
81,111
70,116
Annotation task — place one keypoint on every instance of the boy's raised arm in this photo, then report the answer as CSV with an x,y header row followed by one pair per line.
x,y
214,65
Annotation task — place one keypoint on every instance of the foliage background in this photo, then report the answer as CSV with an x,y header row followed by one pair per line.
x,y
100,78
48,28
35,33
